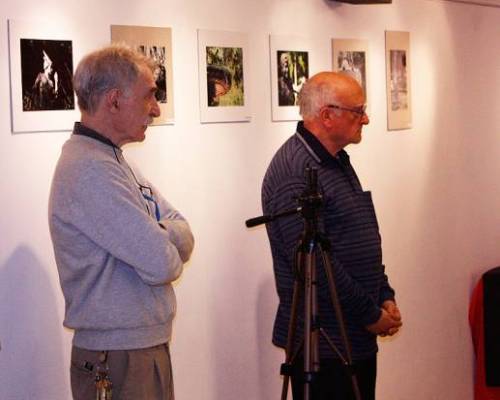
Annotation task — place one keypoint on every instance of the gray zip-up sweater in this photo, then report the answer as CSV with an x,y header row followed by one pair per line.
x,y
115,261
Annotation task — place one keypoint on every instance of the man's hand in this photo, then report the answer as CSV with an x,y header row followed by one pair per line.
x,y
393,310
389,322
391,307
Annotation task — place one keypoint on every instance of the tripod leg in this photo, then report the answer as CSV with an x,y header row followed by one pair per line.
x,y
340,318
306,264
286,368
311,328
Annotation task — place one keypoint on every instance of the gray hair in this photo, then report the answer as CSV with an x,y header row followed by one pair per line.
x,y
315,95
114,66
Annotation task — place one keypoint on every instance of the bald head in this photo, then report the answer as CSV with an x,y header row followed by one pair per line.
x,y
333,108
327,88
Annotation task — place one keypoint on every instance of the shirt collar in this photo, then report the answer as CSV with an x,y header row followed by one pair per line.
x,y
317,150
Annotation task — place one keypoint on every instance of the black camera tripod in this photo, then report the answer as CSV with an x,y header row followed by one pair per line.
x,y
310,244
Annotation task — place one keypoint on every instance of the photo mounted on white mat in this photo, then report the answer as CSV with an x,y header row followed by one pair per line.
x,y
398,78
42,61
156,43
350,56
223,76
293,61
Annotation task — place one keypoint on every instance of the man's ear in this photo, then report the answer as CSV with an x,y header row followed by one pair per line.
x,y
328,118
112,100
325,116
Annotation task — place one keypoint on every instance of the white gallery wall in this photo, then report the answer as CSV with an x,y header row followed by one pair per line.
x,y
436,189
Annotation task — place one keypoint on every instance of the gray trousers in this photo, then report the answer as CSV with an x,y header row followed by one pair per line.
x,y
144,374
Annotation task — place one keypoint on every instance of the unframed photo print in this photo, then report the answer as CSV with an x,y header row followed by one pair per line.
x,y
398,78
47,70
225,80
293,72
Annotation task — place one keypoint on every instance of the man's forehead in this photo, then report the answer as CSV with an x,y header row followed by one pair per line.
x,y
353,97
146,77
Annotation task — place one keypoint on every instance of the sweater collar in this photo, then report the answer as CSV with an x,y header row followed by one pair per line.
x,y
82,130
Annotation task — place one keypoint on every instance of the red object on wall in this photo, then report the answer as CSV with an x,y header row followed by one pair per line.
x,y
476,321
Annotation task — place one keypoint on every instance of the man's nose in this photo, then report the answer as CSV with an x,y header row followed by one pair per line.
x,y
155,109
365,119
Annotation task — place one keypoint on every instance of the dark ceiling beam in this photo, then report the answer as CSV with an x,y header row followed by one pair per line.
x,y
484,3
365,1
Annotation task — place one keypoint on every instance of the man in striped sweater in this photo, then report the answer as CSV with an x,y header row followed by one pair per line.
x,y
333,109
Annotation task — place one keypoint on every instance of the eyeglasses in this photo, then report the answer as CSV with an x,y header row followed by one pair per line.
x,y
147,193
358,110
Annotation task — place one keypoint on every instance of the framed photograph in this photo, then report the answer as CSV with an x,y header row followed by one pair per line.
x,y
223,76
291,61
155,43
397,56
350,56
41,71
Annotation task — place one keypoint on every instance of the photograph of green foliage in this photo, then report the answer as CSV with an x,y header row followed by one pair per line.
x,y
225,84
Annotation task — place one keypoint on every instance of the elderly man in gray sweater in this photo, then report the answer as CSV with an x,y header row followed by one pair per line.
x,y
118,243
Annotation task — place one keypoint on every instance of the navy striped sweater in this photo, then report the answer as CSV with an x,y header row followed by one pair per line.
x,y
347,219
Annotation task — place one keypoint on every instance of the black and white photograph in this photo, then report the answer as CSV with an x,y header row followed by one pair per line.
x,y
47,71
399,83
225,83
223,76
353,63
42,56
351,57
155,43
398,78
157,53
293,71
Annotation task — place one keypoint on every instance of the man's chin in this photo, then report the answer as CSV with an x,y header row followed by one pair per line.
x,y
140,136
357,138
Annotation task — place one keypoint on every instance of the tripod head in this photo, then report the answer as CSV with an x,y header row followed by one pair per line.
x,y
309,203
